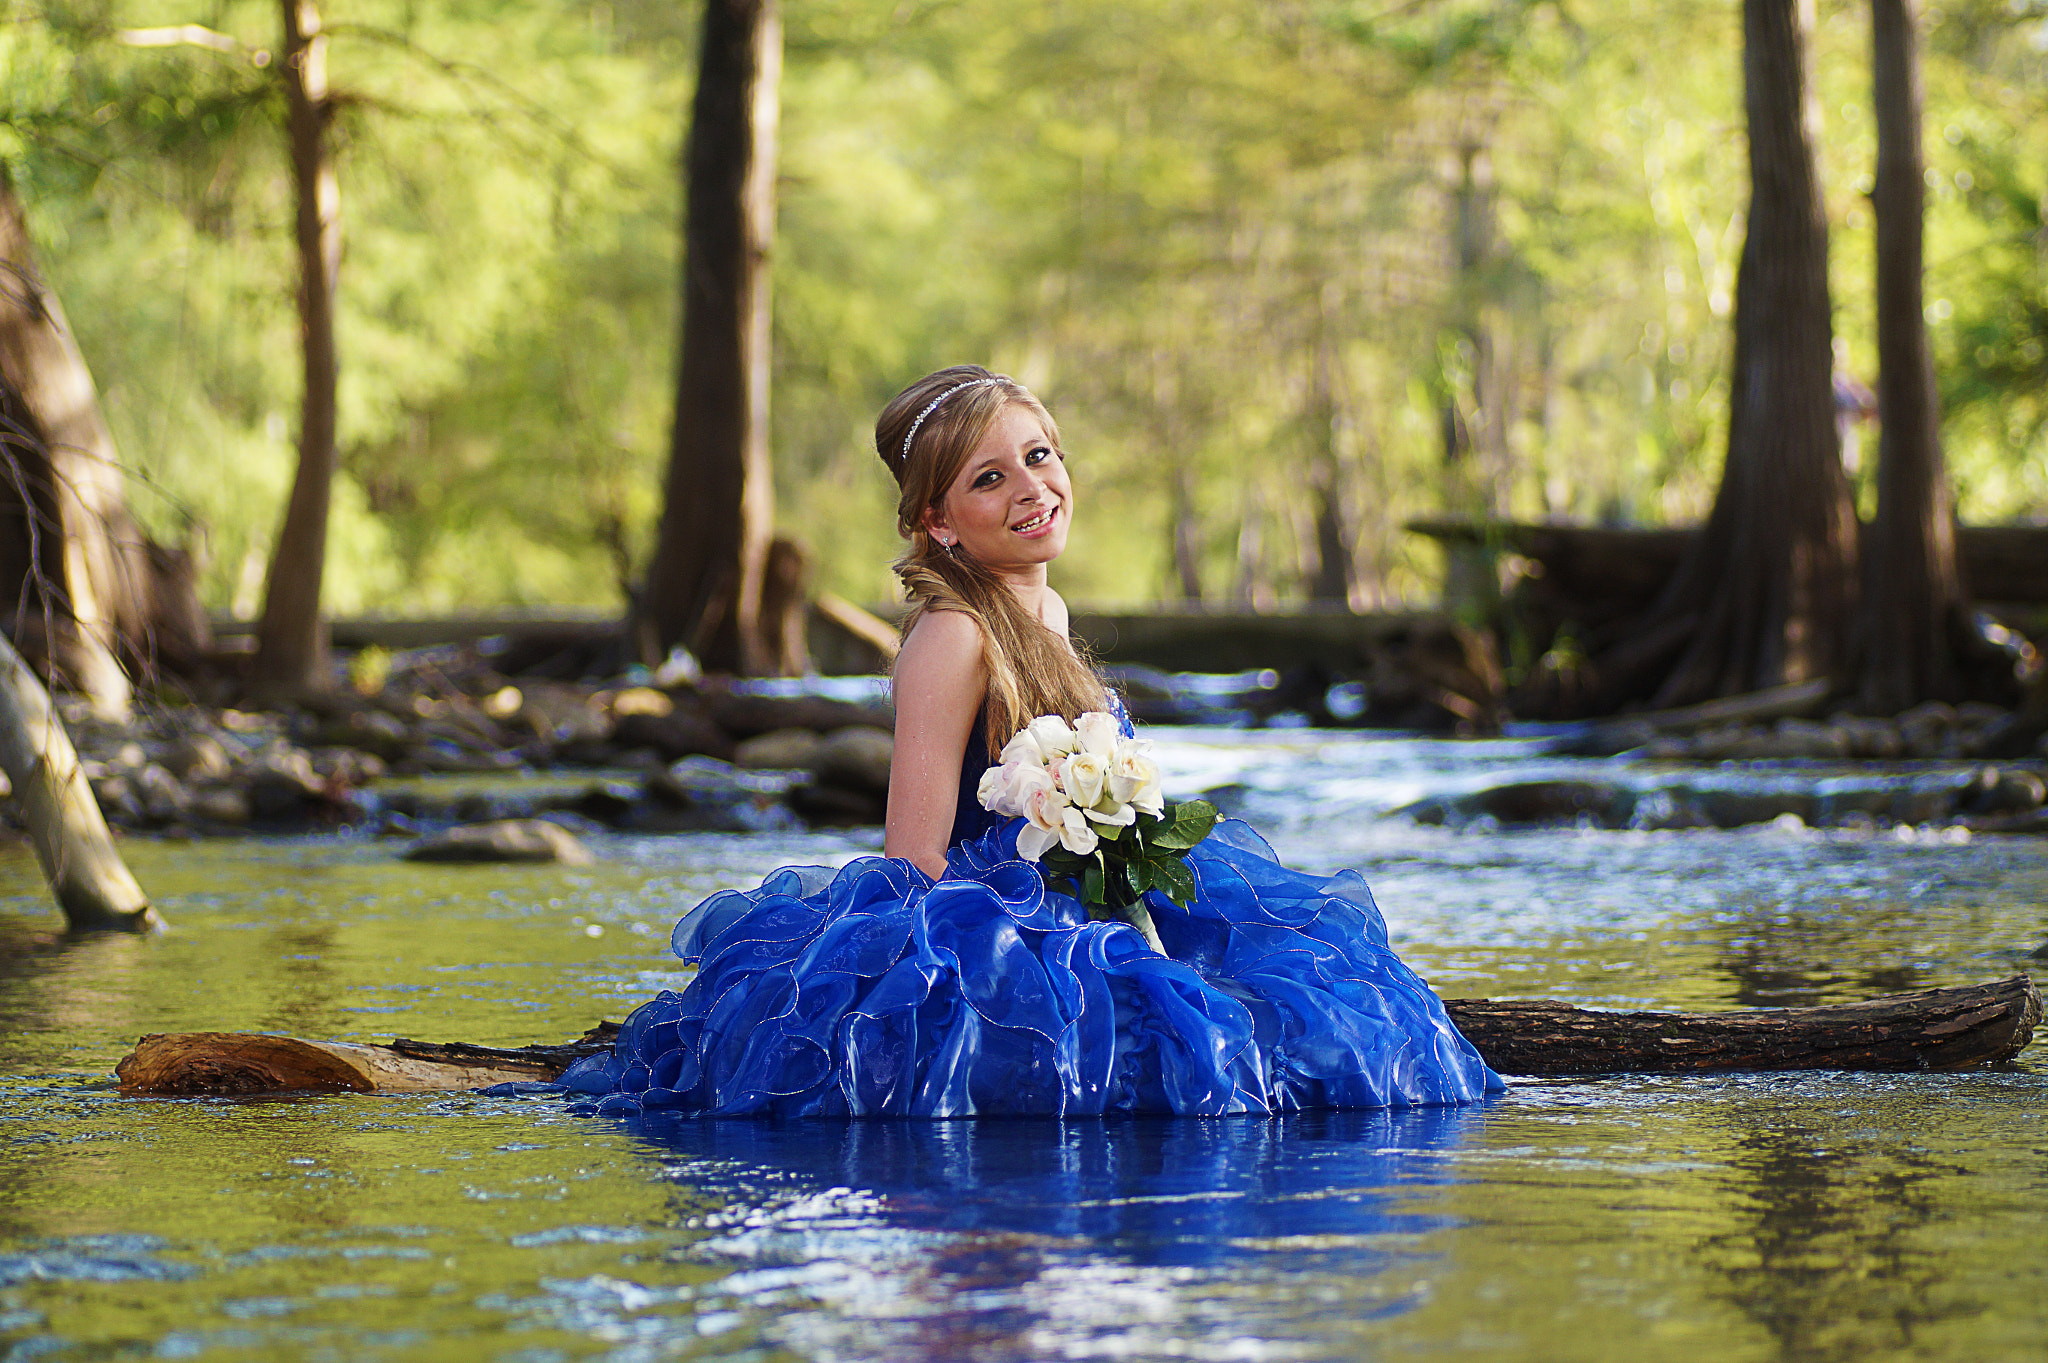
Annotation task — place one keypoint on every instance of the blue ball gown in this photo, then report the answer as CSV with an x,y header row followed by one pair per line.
x,y
874,990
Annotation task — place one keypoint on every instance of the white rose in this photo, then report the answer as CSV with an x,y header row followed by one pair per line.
x,y
1052,735
1134,777
1075,834
1022,748
1115,815
1043,807
1082,775
1097,733
1002,787
994,791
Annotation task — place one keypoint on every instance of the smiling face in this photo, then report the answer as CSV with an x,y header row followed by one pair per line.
x,y
1010,504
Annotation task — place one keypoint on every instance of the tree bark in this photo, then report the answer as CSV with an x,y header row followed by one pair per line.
x,y
1935,1029
704,582
1913,591
1765,594
291,640
90,882
74,579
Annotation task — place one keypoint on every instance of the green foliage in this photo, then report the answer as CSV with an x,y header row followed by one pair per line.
x,y
1150,854
1219,236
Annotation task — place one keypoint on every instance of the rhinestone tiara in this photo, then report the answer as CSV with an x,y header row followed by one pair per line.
x,y
933,406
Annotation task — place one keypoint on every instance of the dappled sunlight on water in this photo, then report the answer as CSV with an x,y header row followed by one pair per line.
x,y
1746,1217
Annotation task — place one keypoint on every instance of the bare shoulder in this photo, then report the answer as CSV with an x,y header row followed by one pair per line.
x,y
943,649
1056,618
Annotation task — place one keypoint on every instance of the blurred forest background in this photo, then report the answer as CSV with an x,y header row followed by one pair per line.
x,y
1290,272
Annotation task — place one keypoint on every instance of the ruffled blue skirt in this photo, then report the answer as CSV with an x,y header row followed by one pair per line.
x,y
875,990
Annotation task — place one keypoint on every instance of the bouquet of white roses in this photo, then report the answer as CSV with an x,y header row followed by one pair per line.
x,y
1093,814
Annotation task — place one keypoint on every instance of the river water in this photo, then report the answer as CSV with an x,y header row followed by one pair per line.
x,y
1819,1216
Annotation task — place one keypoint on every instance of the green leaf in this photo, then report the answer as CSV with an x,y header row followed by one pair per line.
x,y
1092,884
1133,877
1185,825
1172,875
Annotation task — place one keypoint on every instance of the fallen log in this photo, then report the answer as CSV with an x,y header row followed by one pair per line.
x,y
1935,1029
251,1062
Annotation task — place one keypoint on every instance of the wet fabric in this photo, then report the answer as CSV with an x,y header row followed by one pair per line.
x,y
875,990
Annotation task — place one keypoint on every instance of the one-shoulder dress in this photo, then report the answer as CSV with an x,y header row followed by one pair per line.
x,y
876,990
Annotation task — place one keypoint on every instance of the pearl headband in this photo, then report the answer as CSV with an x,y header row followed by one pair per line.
x,y
933,406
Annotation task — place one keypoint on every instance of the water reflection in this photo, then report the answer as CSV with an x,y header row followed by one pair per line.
x,y
1827,1258
995,1239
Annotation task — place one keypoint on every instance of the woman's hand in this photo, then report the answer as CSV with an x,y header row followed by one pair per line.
x,y
939,686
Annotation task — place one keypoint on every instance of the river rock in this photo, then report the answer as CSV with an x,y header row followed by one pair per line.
x,y
1868,738
367,729
1852,801
1931,798
505,840
746,716
1740,808
1796,739
856,757
197,757
836,806
115,795
1929,730
562,713
2005,790
221,804
283,787
1534,802
346,766
163,797
781,750
680,733
702,794
450,758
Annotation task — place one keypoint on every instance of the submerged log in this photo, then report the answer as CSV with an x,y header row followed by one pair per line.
x,y
1935,1029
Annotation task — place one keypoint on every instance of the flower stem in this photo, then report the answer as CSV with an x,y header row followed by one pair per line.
x,y
1139,917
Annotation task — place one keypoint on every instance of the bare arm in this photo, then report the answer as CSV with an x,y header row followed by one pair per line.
x,y
940,684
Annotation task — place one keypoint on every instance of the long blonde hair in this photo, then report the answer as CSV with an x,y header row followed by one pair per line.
x,y
1031,670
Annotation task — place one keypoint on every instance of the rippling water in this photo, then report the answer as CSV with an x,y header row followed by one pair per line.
x,y
1751,1217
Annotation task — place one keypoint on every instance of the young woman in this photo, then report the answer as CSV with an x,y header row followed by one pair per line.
x,y
944,979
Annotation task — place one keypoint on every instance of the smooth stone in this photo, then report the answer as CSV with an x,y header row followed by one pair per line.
x,y
1533,802
197,757
2005,790
222,804
678,734
1740,808
505,840
780,750
856,757
163,796
375,731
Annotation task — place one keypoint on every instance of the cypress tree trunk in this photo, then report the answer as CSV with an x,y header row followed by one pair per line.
x,y
1913,590
291,639
703,585
1766,593
74,575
